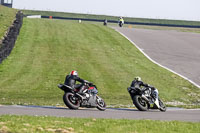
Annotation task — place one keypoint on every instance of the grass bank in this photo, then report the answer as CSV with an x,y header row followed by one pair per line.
x,y
47,50
7,15
102,17
37,124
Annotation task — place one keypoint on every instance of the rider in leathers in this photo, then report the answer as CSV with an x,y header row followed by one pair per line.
x,y
121,20
71,79
137,82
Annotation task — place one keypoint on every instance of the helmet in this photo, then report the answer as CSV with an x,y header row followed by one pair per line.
x,y
138,78
75,73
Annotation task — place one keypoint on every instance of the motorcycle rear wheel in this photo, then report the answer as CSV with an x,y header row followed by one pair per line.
x,y
140,103
101,105
70,101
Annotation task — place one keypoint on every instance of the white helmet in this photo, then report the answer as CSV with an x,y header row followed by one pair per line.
x,y
74,73
138,78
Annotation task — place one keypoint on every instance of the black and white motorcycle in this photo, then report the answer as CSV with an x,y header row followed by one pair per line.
x,y
88,98
143,98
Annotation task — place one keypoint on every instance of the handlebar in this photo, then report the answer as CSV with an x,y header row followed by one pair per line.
x,y
87,82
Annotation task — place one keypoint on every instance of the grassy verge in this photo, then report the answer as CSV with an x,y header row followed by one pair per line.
x,y
37,124
90,16
7,15
47,50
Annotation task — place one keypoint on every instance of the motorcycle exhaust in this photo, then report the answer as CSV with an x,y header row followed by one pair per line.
x,y
80,96
145,98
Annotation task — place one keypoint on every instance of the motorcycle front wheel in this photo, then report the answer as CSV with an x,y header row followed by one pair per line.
x,y
162,105
140,103
71,101
101,105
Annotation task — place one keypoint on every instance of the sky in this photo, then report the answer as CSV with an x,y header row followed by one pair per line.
x,y
158,9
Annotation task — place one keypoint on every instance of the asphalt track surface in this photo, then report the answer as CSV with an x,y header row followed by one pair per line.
x,y
177,51
192,115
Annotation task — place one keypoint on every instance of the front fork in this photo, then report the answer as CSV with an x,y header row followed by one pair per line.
x,y
157,103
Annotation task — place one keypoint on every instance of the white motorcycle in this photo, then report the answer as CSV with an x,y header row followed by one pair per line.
x,y
143,98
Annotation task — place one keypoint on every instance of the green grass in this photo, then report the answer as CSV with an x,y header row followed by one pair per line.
x,y
101,17
7,15
47,50
30,124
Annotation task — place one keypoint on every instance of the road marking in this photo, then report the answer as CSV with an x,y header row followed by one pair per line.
x,y
141,50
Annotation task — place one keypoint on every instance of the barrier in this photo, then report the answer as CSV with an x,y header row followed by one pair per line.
x,y
126,22
8,42
34,16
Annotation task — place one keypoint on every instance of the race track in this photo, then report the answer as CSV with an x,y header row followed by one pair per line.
x,y
192,115
177,51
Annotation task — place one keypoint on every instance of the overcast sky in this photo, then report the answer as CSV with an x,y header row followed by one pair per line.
x,y
159,9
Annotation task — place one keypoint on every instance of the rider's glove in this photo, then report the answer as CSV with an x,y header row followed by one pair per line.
x,y
90,83
150,86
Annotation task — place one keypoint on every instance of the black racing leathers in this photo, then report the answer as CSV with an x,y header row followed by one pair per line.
x,y
139,84
136,83
70,80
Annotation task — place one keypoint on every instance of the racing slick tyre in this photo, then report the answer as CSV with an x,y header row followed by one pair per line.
x,y
71,101
140,103
101,105
162,105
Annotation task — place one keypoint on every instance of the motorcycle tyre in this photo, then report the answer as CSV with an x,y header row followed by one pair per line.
x,y
138,105
99,107
68,103
162,106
